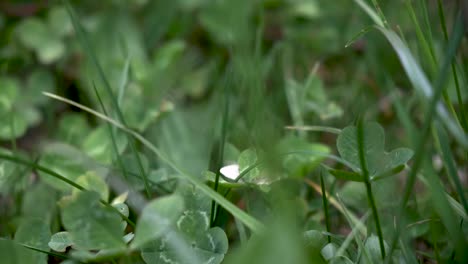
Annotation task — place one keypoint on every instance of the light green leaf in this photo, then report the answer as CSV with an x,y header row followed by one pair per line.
x,y
372,246
32,33
246,159
34,232
307,158
73,128
157,218
93,182
51,51
39,202
60,241
59,21
98,144
91,225
329,251
374,140
35,34
65,166
10,92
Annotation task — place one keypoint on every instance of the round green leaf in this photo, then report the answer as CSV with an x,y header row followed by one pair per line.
x,y
32,33
59,21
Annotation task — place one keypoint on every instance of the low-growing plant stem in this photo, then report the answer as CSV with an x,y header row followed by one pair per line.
x,y
367,182
325,205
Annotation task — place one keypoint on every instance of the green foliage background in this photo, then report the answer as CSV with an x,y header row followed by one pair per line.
x,y
347,120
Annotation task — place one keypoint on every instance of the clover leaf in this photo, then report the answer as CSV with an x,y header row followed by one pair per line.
x,y
91,225
192,241
379,162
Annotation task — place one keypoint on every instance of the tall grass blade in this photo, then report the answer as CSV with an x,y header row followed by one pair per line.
x,y
463,110
449,163
420,82
431,110
370,12
90,52
220,156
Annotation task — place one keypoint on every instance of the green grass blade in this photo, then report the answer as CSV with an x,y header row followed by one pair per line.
x,y
463,110
446,213
424,134
370,12
420,82
81,36
429,54
449,163
220,157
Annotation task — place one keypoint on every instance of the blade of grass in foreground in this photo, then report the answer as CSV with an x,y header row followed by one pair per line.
x,y
420,152
449,163
90,52
420,82
247,219
463,110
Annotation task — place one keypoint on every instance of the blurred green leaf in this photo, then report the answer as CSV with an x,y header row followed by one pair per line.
x,y
373,248
98,144
36,35
40,81
65,166
34,232
91,226
193,241
157,218
92,182
73,129
59,22
302,156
